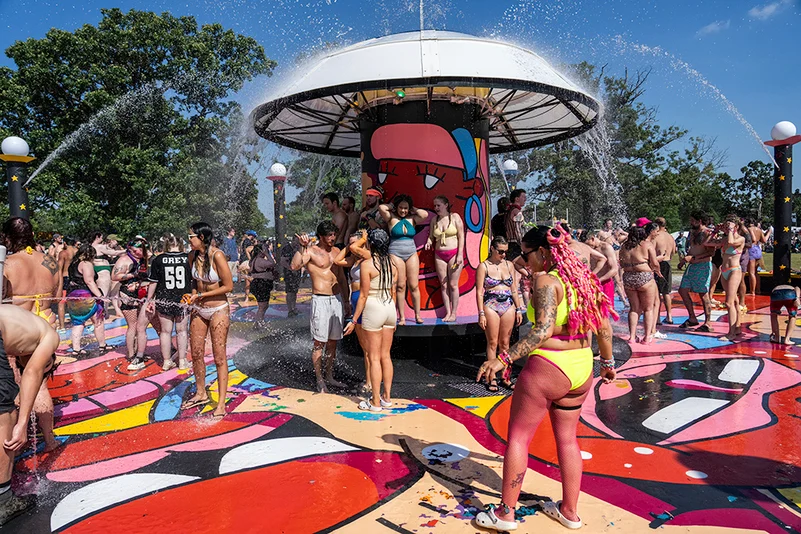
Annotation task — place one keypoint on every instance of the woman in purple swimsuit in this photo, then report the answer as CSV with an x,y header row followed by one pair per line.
x,y
500,308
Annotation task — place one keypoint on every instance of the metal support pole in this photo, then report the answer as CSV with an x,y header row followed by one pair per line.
x,y
15,174
782,213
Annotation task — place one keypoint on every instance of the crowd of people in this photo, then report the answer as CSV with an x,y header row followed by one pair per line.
x,y
364,269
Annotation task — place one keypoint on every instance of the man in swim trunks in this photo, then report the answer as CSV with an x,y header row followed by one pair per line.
x,y
339,218
64,259
514,223
789,298
33,343
698,275
327,318
665,248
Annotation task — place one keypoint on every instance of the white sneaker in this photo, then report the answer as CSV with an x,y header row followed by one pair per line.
x,y
136,364
183,365
168,364
660,335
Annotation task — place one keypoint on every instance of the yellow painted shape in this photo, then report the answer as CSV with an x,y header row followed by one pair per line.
x,y
234,377
130,417
792,494
482,404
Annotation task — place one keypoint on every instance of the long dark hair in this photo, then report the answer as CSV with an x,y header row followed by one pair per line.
x,y
379,249
636,236
86,252
203,232
18,233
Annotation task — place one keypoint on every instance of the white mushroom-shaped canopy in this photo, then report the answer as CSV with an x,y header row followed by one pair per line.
x,y
527,102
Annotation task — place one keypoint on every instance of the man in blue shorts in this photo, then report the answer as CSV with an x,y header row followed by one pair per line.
x,y
698,275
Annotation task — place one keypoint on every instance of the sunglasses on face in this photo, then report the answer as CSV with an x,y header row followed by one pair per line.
x,y
502,252
525,255
192,235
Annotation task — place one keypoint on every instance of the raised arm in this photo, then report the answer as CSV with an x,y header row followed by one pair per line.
x,y
420,216
385,210
302,256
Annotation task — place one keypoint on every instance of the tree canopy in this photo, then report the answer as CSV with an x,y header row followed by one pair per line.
x,y
162,144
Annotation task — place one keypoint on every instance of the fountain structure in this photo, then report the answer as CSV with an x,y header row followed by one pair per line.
x,y
423,110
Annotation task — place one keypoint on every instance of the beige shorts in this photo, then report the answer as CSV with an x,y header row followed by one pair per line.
x,y
378,314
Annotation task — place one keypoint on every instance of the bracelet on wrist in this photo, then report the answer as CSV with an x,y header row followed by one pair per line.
x,y
481,314
607,364
521,309
505,359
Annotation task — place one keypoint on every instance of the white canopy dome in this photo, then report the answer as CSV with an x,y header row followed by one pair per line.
x,y
526,100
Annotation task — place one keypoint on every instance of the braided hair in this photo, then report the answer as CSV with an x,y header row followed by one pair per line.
x,y
591,304
379,250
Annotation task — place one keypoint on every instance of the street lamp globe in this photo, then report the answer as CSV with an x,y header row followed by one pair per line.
x,y
277,169
783,130
14,146
510,167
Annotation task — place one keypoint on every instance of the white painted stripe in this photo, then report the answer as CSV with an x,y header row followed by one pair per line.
x,y
273,451
680,413
739,371
99,495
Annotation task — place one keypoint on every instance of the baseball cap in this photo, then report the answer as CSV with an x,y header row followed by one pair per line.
x,y
56,236
252,233
642,221
113,237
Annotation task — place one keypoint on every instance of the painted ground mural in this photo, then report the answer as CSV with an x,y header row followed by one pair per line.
x,y
696,435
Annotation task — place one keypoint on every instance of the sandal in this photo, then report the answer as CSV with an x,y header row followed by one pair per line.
x,y
104,348
492,386
489,520
703,328
508,384
551,509
688,324
188,405
80,352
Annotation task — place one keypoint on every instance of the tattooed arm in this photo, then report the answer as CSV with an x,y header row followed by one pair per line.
x,y
545,302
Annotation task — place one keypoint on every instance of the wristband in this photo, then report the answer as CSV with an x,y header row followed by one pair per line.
x,y
521,309
505,359
607,364
481,314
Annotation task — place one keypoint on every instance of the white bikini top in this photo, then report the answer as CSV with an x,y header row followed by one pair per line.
x,y
211,278
356,273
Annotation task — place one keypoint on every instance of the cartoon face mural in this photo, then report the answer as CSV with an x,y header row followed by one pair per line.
x,y
424,160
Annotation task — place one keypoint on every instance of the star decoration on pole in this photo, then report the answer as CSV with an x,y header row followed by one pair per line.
x,y
787,199
789,160
781,177
786,229
14,178
22,207
782,267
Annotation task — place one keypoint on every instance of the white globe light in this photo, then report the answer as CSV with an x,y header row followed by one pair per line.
x,y
783,130
277,170
14,146
510,165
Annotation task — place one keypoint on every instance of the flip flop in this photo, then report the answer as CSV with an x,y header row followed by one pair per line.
x,y
703,328
188,405
688,324
489,520
508,384
551,509
667,321
104,348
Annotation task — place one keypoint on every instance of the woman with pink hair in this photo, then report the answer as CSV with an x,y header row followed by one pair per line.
x,y
568,303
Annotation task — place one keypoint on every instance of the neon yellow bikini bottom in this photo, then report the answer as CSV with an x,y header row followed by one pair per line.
x,y
576,364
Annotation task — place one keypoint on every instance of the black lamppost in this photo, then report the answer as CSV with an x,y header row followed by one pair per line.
x,y
784,137
15,154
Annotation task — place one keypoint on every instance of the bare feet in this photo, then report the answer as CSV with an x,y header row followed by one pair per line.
x,y
321,386
418,319
333,382
402,321
51,446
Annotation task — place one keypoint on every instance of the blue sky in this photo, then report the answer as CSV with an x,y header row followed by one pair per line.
x,y
748,49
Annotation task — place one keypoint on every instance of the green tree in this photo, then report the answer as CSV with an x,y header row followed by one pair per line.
x,y
165,147
752,193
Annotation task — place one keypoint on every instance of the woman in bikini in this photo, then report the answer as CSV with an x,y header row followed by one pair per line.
x,y
500,308
568,303
731,272
376,309
131,273
351,258
210,314
638,260
83,299
402,219
106,253
446,236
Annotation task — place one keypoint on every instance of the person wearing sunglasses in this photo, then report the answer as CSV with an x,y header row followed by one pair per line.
x,y
499,304
568,303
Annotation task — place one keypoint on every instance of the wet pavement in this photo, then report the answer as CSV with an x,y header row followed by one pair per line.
x,y
696,435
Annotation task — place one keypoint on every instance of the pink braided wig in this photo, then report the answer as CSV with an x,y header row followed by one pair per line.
x,y
592,304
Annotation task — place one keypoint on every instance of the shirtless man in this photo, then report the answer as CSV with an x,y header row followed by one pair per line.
x,y
327,320
588,255
698,275
610,270
349,207
370,218
665,249
57,246
606,233
64,259
33,343
339,217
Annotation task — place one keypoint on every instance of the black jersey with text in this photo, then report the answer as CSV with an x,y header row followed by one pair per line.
x,y
171,273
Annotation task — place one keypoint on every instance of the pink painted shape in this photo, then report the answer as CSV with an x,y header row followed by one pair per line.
x,y
126,464
80,407
729,518
416,142
747,412
781,513
590,416
613,391
699,386
83,365
127,395
661,346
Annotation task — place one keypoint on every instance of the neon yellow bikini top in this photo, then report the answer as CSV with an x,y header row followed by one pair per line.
x,y
441,235
561,309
